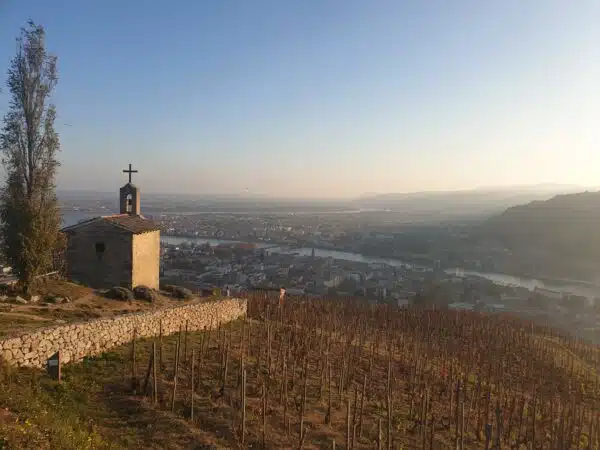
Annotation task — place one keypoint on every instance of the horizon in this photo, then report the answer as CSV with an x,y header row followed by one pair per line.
x,y
539,188
316,101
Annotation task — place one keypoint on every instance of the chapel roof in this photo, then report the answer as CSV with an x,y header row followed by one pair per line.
x,y
127,222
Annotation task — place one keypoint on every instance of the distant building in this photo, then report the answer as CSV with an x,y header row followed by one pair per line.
x,y
117,250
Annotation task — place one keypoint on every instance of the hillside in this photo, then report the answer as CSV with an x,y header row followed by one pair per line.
x,y
316,372
562,232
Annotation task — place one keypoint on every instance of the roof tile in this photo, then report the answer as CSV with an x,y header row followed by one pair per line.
x,y
132,224
135,224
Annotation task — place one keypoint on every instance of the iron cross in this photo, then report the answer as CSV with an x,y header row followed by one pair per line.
x,y
129,172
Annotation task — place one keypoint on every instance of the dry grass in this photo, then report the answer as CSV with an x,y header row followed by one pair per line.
x,y
86,304
62,288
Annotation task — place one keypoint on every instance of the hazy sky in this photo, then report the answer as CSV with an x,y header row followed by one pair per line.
x,y
321,98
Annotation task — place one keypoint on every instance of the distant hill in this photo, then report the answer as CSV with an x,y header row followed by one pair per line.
x,y
563,231
480,201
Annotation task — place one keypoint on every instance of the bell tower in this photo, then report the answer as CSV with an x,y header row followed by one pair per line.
x,y
129,196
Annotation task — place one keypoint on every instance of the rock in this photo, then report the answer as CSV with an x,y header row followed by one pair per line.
x,y
178,292
7,355
68,299
34,299
119,293
20,300
14,343
144,293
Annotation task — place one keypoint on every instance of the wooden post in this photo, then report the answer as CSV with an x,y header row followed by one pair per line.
x,y
303,405
424,420
431,431
192,388
488,436
533,426
362,405
134,381
175,377
285,391
328,414
269,351
177,351
243,407
148,371
498,426
389,404
185,342
379,436
462,426
348,423
241,371
225,367
160,339
264,415
155,377
354,418
457,418
303,434
591,436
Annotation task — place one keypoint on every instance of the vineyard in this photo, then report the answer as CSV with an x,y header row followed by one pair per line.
x,y
344,374
388,378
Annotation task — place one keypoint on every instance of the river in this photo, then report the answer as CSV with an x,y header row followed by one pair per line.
x,y
72,217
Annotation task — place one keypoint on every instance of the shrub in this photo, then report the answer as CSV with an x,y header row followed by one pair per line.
x,y
144,293
119,293
178,292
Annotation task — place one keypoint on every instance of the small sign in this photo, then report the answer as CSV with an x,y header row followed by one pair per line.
x,y
53,366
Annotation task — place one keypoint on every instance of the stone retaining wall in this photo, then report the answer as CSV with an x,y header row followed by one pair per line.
x,y
75,341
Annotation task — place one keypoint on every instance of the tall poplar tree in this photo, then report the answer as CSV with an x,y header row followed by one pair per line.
x,y
29,212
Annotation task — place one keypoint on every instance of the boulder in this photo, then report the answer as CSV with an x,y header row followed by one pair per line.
x,y
178,292
20,300
144,293
119,293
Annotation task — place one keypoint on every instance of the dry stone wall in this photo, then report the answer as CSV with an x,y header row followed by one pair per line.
x,y
75,341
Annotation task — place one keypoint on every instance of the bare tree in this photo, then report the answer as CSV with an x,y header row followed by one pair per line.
x,y
28,206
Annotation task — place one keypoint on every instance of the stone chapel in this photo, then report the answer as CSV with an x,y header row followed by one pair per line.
x,y
117,250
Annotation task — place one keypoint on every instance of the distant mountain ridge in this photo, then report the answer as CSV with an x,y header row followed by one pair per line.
x,y
479,201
